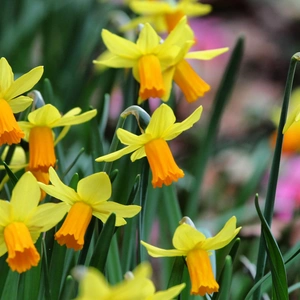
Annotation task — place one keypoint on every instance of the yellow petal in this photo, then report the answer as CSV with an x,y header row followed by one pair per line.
x,y
44,116
26,127
148,40
5,213
161,120
138,154
92,284
117,154
24,83
58,189
178,128
149,7
187,237
206,54
20,103
75,120
178,36
120,46
143,270
25,196
94,188
124,211
195,9
168,78
3,247
223,238
46,216
292,118
114,61
6,76
158,252
128,138
170,293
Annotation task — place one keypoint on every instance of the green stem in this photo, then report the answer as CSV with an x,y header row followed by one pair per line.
x,y
271,191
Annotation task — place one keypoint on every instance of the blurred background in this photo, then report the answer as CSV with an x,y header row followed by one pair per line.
x,y
64,37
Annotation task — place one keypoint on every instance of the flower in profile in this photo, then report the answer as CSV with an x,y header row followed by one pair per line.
x,y
39,133
89,200
21,222
11,102
165,15
148,57
152,144
192,244
93,285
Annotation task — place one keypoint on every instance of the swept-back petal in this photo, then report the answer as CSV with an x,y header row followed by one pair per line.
x,y
224,237
138,154
5,213
120,46
115,61
58,189
158,252
148,39
206,54
24,83
178,128
46,216
3,248
170,293
187,237
20,103
128,138
103,216
44,116
6,76
124,211
74,120
94,188
118,154
161,120
25,196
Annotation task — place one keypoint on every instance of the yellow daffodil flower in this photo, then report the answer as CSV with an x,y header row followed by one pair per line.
x,y
21,222
148,57
165,15
90,200
152,144
39,133
192,244
11,102
93,285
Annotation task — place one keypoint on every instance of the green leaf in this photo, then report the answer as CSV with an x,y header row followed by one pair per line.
x,y
13,178
10,290
177,271
225,281
99,257
279,278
